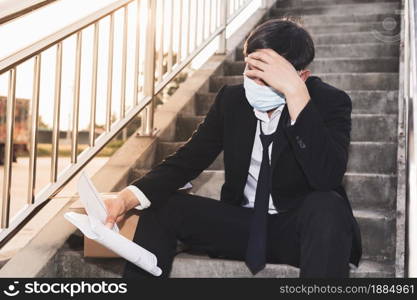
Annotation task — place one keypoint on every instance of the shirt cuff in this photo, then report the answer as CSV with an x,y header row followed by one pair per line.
x,y
144,201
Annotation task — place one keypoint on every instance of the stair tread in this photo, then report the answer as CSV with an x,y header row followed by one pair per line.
x,y
327,74
341,58
368,44
352,142
354,115
202,265
344,5
359,174
347,91
338,9
346,174
342,34
342,24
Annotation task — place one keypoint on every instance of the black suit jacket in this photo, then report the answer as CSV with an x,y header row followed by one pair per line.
x,y
310,155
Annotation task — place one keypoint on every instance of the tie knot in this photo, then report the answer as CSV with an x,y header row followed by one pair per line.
x,y
266,140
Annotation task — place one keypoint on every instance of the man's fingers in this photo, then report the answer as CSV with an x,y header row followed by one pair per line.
x,y
109,225
256,63
265,57
110,220
254,73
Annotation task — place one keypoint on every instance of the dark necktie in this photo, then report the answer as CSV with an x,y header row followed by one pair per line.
x,y
256,251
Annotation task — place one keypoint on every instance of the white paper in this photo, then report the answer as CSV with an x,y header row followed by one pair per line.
x,y
92,226
91,199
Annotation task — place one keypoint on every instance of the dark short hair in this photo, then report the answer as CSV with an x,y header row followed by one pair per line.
x,y
287,37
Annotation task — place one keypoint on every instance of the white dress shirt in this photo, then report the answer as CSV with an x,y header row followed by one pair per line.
x,y
269,125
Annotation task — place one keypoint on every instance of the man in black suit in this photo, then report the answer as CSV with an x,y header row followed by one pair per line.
x,y
285,137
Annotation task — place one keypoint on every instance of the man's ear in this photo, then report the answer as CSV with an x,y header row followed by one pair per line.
x,y
304,74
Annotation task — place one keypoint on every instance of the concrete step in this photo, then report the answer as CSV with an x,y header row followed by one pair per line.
x,y
344,81
374,102
337,9
365,191
333,65
374,128
355,38
355,65
69,262
372,157
391,28
197,266
363,102
203,102
365,127
390,18
371,190
364,157
364,50
290,3
185,126
361,81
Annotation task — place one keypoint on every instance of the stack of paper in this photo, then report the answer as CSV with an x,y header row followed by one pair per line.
x,y
92,226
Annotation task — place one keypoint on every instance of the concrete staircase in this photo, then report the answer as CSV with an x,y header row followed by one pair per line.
x,y
352,56
357,50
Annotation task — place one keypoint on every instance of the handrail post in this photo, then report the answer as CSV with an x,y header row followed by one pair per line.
x,y
8,150
147,123
223,19
410,87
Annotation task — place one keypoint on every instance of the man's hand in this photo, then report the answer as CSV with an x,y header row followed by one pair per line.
x,y
280,74
117,207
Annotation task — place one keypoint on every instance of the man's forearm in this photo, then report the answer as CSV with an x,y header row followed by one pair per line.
x,y
297,100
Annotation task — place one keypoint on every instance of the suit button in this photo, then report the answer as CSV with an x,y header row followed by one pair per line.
x,y
300,142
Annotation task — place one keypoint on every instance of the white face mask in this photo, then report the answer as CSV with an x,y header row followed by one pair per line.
x,y
262,97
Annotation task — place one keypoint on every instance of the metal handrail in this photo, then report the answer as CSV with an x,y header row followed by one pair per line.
x,y
149,79
410,116
20,8
30,51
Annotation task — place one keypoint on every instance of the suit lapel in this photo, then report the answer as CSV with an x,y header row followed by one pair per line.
x,y
280,142
244,136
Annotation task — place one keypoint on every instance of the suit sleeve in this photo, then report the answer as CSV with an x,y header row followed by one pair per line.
x,y
320,141
188,161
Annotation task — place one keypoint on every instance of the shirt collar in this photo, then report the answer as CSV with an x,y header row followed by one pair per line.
x,y
263,115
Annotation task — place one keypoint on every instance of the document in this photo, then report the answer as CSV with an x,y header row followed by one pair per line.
x,y
92,226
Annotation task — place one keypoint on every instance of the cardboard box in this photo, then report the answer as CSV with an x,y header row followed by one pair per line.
x,y
127,228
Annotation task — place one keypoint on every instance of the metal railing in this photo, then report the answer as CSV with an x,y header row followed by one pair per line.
x,y
168,34
410,118
12,9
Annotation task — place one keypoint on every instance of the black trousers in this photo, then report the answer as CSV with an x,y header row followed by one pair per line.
x,y
316,237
